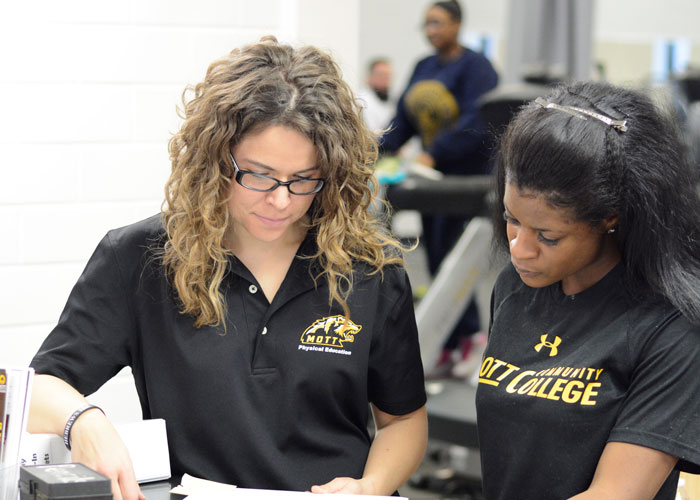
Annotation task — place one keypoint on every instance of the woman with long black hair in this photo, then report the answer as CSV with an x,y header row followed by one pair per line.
x,y
589,387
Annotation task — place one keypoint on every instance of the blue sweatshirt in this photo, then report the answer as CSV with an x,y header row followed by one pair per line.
x,y
456,150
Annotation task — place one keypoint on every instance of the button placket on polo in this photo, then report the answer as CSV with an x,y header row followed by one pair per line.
x,y
252,289
263,347
255,308
264,355
254,312
259,314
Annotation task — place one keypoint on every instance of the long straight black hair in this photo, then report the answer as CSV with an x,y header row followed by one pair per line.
x,y
642,175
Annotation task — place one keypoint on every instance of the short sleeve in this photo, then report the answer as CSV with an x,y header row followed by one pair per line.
x,y
662,406
395,383
89,345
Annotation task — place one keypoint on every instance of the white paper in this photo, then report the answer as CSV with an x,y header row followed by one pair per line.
x,y
146,441
190,485
201,489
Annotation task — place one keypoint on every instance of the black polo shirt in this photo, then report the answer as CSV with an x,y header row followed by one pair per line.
x,y
280,399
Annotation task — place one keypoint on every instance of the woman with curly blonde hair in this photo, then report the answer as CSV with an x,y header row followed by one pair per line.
x,y
265,311
301,91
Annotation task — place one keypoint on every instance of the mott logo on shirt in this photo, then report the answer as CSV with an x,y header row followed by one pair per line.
x,y
332,331
552,346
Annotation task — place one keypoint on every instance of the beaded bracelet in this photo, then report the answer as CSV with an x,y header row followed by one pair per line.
x,y
72,419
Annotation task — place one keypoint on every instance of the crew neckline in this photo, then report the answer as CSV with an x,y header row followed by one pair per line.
x,y
612,276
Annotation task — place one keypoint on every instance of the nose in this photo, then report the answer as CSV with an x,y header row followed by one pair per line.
x,y
523,244
431,31
279,197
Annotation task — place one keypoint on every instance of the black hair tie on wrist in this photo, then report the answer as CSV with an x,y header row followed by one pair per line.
x,y
72,419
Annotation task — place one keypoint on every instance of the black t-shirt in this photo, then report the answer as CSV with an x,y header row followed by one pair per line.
x,y
563,375
280,400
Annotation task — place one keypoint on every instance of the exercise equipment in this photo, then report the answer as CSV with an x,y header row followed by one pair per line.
x,y
439,310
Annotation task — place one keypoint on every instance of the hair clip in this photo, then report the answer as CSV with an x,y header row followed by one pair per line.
x,y
581,113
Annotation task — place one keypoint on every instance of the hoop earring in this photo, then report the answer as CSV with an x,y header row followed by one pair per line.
x,y
611,230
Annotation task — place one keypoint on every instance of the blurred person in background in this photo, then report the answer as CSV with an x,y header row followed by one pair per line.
x,y
377,106
440,106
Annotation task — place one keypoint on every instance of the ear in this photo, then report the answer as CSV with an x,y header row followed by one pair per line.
x,y
610,222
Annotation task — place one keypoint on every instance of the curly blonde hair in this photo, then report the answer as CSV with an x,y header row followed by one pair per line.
x,y
259,85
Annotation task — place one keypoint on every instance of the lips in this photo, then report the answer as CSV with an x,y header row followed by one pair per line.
x,y
525,272
270,221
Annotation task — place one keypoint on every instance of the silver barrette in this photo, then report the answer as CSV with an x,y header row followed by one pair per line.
x,y
620,125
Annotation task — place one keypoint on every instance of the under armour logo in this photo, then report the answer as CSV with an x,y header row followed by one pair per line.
x,y
552,345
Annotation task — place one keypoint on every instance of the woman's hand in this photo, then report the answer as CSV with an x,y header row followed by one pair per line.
x,y
94,440
345,485
425,159
96,443
396,452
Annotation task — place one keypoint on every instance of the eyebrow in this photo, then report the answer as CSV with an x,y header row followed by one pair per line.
x,y
540,229
270,169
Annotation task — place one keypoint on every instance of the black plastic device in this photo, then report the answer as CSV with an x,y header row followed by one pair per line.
x,y
72,481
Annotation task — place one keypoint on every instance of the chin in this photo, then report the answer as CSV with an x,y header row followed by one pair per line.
x,y
268,236
536,281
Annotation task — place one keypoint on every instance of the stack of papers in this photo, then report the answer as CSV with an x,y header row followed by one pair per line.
x,y
201,489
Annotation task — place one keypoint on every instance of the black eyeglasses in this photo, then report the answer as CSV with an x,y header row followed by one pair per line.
x,y
265,183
